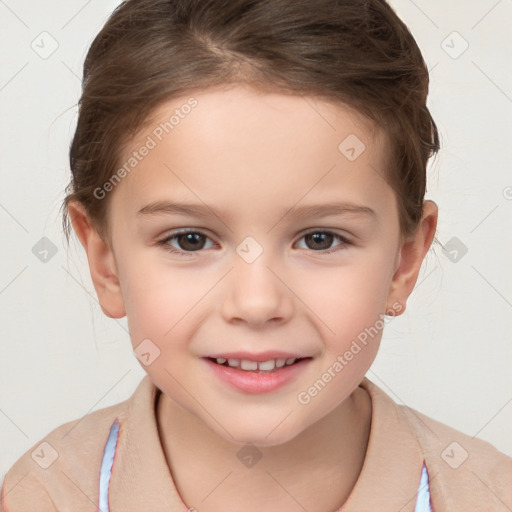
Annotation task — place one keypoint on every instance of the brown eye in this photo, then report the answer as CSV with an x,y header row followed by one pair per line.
x,y
191,241
320,241
183,242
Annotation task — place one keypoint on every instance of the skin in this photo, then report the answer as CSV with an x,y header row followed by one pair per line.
x,y
248,155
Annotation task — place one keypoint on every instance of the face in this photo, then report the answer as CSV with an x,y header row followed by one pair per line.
x,y
257,231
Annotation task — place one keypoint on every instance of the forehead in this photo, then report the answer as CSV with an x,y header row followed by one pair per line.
x,y
253,147
245,116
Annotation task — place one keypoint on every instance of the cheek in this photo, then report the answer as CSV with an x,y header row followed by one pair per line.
x,y
350,297
158,297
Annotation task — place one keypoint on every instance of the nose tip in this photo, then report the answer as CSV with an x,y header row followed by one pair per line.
x,y
255,294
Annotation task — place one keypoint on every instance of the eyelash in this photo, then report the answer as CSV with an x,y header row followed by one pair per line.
x,y
165,242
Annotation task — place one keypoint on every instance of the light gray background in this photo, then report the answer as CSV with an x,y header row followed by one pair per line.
x,y
449,356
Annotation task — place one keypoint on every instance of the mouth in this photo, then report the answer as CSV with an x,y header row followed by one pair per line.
x,y
247,365
261,373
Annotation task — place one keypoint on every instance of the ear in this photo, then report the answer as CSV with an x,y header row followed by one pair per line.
x,y
101,262
410,258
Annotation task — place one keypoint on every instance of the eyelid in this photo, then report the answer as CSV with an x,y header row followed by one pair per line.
x,y
332,231
183,231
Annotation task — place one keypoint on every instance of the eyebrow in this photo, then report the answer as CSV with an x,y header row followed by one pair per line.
x,y
301,212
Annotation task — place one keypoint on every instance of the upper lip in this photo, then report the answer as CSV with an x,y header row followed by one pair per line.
x,y
259,357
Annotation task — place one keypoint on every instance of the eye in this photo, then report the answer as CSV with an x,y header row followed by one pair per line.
x,y
319,240
187,240
190,241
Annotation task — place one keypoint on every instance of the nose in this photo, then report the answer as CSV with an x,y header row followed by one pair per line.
x,y
256,294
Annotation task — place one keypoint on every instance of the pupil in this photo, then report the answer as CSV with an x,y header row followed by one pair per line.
x,y
192,240
317,237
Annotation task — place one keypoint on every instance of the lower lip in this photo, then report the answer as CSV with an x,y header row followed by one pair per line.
x,y
255,382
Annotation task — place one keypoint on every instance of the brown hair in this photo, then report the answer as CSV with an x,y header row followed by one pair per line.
x,y
353,51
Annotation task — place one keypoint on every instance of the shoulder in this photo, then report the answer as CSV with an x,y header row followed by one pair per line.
x,y
62,469
455,448
463,471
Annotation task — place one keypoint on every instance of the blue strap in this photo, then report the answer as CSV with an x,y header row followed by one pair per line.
x,y
106,466
423,501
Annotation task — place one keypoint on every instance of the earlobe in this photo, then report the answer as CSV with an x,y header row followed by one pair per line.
x,y
101,260
410,258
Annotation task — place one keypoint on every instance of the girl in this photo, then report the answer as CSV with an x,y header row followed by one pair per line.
x,y
248,182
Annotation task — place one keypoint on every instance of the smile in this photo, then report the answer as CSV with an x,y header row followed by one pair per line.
x,y
248,365
257,377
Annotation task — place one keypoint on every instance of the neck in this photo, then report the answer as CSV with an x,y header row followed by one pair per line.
x,y
316,470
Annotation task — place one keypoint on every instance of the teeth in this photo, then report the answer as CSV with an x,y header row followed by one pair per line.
x,y
267,365
245,364
248,365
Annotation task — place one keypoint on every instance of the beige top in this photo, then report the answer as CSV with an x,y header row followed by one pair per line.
x,y
121,443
